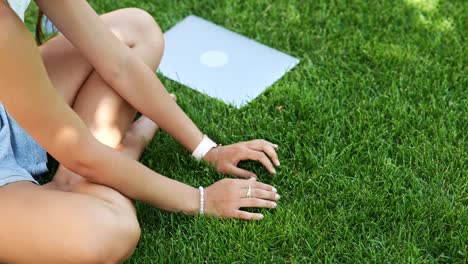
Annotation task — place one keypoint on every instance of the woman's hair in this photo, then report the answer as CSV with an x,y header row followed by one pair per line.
x,y
39,32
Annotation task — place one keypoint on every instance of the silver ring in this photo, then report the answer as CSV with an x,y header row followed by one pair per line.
x,y
249,192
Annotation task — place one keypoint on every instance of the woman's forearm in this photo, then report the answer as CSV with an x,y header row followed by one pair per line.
x,y
138,182
153,100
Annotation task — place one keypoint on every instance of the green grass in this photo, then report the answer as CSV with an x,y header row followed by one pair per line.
x,y
372,136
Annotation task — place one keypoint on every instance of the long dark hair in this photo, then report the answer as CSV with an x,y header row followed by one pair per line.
x,y
39,32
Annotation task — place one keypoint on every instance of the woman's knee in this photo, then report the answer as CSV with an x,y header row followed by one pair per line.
x,y
139,28
110,237
113,231
81,228
144,23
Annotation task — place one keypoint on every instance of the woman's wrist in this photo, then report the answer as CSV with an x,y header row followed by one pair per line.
x,y
192,202
202,201
212,156
205,145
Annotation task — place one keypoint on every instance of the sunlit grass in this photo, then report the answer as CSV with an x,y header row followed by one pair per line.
x,y
425,5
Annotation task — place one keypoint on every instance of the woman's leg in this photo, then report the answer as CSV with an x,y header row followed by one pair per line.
x,y
88,223
39,225
102,109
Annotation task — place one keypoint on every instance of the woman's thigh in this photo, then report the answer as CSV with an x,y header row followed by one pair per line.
x,y
38,225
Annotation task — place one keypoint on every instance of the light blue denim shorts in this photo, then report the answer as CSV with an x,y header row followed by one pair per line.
x,y
21,158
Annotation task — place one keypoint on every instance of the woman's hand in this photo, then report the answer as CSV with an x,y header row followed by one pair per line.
x,y
225,197
226,158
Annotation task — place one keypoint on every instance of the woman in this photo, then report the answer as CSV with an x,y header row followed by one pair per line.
x,y
77,95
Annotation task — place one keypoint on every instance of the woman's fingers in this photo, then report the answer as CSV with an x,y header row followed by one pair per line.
x,y
275,146
253,183
267,147
264,186
256,202
241,172
224,198
262,158
259,150
246,215
261,194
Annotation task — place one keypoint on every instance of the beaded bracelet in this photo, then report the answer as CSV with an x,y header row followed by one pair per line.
x,y
202,200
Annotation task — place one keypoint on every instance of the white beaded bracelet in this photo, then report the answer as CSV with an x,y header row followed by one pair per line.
x,y
202,200
205,145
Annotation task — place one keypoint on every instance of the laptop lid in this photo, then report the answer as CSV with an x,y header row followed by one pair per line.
x,y
220,63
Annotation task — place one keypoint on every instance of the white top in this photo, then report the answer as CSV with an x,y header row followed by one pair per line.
x,y
19,6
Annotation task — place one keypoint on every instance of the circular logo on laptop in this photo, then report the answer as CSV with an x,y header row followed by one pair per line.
x,y
214,58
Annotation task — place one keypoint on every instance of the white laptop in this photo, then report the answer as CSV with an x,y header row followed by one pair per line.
x,y
221,63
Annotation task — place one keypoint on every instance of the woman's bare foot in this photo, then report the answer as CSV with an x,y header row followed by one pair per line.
x,y
138,136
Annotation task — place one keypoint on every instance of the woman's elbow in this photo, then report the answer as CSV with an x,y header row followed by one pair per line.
x,y
82,157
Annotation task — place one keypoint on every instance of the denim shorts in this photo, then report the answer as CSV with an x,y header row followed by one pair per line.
x,y
21,158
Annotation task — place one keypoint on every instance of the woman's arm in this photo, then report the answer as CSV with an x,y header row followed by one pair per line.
x,y
123,70
28,95
119,67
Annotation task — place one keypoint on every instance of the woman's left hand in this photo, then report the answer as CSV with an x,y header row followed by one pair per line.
x,y
226,158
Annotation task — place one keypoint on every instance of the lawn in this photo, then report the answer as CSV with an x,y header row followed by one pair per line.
x,y
372,127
